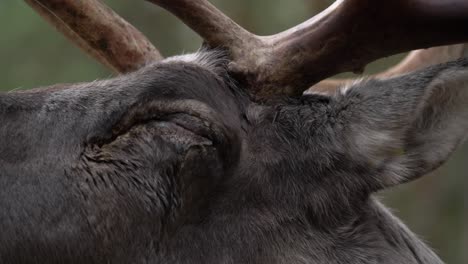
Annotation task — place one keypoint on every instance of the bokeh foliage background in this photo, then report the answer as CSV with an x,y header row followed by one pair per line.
x,y
33,54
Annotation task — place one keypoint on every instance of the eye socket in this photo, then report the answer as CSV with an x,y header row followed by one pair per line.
x,y
184,123
196,125
177,127
191,115
176,132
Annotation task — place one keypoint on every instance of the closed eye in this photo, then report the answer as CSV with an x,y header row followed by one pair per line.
x,y
188,114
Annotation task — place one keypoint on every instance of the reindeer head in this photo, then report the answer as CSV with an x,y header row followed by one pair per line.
x,y
197,159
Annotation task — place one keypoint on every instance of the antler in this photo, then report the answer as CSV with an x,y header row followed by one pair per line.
x,y
99,31
344,37
415,60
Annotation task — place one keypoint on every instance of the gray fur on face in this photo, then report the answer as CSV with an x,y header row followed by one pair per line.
x,y
175,164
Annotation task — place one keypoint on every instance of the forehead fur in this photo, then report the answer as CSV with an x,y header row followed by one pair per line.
x,y
215,60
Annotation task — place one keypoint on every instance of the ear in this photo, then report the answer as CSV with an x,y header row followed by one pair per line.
x,y
407,126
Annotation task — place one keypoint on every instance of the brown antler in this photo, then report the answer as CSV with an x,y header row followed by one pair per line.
x,y
344,37
415,60
99,31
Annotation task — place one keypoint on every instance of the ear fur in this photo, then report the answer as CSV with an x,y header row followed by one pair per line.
x,y
407,126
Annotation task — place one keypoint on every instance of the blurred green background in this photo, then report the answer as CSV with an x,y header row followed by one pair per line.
x,y
33,54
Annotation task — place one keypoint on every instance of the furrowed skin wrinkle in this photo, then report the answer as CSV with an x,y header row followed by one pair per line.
x,y
174,163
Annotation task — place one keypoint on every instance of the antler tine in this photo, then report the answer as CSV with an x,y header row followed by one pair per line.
x,y
418,59
415,60
345,37
99,31
210,23
218,30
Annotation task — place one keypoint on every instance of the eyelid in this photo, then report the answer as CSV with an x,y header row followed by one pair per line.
x,y
145,111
